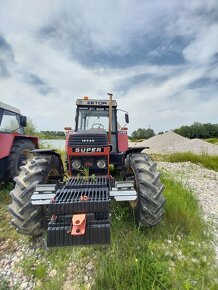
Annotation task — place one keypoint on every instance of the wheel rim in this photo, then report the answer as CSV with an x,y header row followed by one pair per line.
x,y
52,176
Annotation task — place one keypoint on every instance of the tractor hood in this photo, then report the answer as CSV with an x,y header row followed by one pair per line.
x,y
90,138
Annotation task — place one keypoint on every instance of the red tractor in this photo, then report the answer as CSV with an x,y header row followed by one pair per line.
x,y
15,146
76,211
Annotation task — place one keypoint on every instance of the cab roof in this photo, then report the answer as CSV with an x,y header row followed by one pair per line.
x,y
9,108
95,103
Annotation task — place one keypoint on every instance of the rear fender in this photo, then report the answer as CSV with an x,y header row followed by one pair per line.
x,y
35,140
7,140
6,143
134,150
122,141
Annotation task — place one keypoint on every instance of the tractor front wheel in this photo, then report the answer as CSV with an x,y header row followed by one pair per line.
x,y
27,218
148,207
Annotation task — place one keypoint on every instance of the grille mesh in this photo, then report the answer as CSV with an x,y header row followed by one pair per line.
x,y
88,140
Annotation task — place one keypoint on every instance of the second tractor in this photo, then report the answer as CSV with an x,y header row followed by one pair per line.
x,y
15,145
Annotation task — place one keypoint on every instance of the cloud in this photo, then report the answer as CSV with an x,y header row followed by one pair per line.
x,y
6,57
159,58
204,49
40,85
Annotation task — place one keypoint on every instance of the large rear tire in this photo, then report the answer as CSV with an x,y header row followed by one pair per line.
x,y
148,208
29,219
20,152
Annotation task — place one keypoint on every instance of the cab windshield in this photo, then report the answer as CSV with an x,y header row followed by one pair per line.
x,y
9,122
95,118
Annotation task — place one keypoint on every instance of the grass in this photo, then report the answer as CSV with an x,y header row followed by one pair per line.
x,y
212,140
51,268
207,161
176,254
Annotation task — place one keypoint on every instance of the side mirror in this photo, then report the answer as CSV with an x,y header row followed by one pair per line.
x,y
23,121
126,118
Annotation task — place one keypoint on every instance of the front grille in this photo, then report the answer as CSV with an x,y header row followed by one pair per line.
x,y
76,140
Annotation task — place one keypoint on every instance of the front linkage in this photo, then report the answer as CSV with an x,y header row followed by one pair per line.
x,y
79,211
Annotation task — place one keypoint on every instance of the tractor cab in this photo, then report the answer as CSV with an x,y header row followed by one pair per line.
x,y
98,136
94,114
11,119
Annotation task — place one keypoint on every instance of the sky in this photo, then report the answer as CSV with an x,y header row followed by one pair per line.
x,y
159,58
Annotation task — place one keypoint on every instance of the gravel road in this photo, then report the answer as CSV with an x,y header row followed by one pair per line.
x,y
204,183
80,273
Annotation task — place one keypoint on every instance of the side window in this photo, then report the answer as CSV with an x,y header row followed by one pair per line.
x,y
10,122
120,119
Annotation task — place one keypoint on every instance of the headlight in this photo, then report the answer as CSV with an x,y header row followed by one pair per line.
x,y
101,164
76,164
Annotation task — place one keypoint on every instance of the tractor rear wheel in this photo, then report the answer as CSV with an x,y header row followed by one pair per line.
x,y
27,218
148,207
20,152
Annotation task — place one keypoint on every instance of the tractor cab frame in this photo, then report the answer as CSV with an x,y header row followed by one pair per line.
x,y
11,119
95,114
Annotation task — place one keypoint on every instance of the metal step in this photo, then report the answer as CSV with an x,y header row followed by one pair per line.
x,y
123,191
43,194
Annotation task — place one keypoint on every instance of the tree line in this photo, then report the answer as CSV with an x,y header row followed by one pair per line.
x,y
198,130
53,133
48,134
142,133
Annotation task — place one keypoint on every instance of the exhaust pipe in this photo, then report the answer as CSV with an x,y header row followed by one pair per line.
x,y
110,117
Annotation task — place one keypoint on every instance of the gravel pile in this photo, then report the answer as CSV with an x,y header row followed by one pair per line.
x,y
204,183
159,143
196,146
171,142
